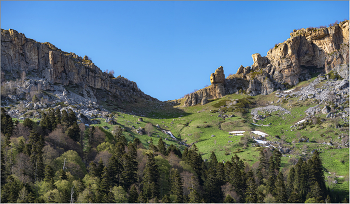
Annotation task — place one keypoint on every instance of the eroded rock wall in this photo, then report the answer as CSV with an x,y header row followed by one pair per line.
x,y
21,56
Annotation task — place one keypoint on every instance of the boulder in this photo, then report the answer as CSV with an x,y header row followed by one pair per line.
x,y
326,110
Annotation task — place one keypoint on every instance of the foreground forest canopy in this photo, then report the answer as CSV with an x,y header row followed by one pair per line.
x,y
53,162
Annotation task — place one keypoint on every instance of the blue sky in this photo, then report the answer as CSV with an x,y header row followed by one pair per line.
x,y
169,48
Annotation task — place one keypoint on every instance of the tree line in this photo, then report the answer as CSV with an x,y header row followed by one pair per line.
x,y
36,166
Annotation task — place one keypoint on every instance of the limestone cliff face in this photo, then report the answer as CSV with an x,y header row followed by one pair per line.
x,y
307,51
215,90
23,56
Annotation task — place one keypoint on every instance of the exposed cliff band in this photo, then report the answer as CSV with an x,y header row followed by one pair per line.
x,y
307,51
21,56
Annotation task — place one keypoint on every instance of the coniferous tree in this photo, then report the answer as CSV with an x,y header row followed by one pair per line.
x,y
238,177
74,132
316,173
93,169
142,198
49,175
58,116
150,181
45,123
71,117
165,199
114,170
6,126
250,194
220,173
103,189
64,119
294,197
28,123
63,174
99,168
229,199
129,173
194,196
161,146
290,181
52,118
133,195
176,186
316,193
3,175
9,191
280,189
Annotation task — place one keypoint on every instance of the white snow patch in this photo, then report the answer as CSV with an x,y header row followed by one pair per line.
x,y
260,133
236,132
288,91
303,120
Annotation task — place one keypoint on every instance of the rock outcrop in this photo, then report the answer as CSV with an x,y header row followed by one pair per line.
x,y
215,90
306,52
52,69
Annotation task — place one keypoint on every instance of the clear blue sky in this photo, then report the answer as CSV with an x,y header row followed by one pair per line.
x,y
169,48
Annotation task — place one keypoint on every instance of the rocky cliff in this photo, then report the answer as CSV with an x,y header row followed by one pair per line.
x,y
215,90
44,67
306,52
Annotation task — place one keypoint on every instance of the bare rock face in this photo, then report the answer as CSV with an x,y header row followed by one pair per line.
x,y
21,56
215,90
307,51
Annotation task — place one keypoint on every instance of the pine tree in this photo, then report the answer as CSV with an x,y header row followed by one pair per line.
x,y
114,170
229,199
165,199
92,169
294,197
161,146
74,132
290,181
280,189
129,173
52,118
104,186
71,117
316,173
28,123
3,175
64,119
99,168
250,194
176,185
194,197
9,192
58,116
150,181
49,174
133,195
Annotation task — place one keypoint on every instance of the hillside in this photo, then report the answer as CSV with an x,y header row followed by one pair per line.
x,y
241,139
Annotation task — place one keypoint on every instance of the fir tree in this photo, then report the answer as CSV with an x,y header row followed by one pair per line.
x,y
3,175
114,170
229,199
74,132
58,116
165,199
9,192
28,123
52,118
49,174
250,194
290,181
150,181
294,197
104,187
99,168
280,189
161,146
71,117
64,119
133,195
129,173
194,197
316,173
176,186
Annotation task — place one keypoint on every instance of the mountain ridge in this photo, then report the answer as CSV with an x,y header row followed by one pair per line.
x,y
307,51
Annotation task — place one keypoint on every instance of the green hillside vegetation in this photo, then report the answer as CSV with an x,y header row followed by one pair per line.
x,y
202,127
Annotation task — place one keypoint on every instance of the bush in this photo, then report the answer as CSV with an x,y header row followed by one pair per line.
x,y
334,75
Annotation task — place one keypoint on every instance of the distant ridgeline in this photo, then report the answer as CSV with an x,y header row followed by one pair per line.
x,y
50,69
306,52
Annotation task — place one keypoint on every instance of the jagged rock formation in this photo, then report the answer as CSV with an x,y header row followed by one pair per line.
x,y
215,90
307,51
44,67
